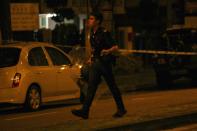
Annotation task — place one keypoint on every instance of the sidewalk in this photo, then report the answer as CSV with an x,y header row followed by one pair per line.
x,y
145,112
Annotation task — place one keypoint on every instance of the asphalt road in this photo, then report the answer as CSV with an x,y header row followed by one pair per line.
x,y
152,110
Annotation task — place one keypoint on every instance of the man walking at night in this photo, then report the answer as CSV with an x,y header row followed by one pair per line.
x,y
101,63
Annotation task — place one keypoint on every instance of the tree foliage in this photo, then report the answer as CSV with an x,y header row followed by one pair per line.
x,y
62,13
56,3
66,34
148,10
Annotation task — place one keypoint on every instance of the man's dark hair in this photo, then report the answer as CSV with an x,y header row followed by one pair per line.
x,y
98,16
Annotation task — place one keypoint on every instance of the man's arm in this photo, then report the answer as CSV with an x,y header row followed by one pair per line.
x,y
111,50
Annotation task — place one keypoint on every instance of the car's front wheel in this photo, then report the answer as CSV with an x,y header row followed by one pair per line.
x,y
33,98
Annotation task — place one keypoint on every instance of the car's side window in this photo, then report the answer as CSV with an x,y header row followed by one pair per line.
x,y
37,57
57,57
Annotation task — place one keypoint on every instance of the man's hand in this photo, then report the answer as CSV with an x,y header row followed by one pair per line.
x,y
105,52
109,51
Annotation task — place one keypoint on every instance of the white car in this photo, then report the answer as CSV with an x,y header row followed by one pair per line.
x,y
32,73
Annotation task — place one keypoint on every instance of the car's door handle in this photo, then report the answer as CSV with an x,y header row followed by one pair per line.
x,y
59,72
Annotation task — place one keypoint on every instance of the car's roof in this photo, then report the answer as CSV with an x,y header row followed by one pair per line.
x,y
25,44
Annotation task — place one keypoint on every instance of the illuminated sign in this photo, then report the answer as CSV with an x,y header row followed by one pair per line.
x,y
24,16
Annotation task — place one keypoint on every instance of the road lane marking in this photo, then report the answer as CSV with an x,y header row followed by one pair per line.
x,y
29,116
144,98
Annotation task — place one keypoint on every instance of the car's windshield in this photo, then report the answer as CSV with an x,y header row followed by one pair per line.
x,y
9,56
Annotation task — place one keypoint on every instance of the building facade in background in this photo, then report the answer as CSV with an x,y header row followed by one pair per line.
x,y
124,18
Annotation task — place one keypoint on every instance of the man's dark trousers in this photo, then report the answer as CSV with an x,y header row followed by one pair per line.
x,y
98,69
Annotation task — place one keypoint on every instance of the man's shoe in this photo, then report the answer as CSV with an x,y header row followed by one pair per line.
x,y
80,113
119,114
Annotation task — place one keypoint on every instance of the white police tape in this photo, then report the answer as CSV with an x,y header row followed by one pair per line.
x,y
127,51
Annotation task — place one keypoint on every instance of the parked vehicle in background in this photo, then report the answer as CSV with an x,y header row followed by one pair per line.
x,y
33,73
172,67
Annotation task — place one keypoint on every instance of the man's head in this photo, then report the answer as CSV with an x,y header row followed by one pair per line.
x,y
95,19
